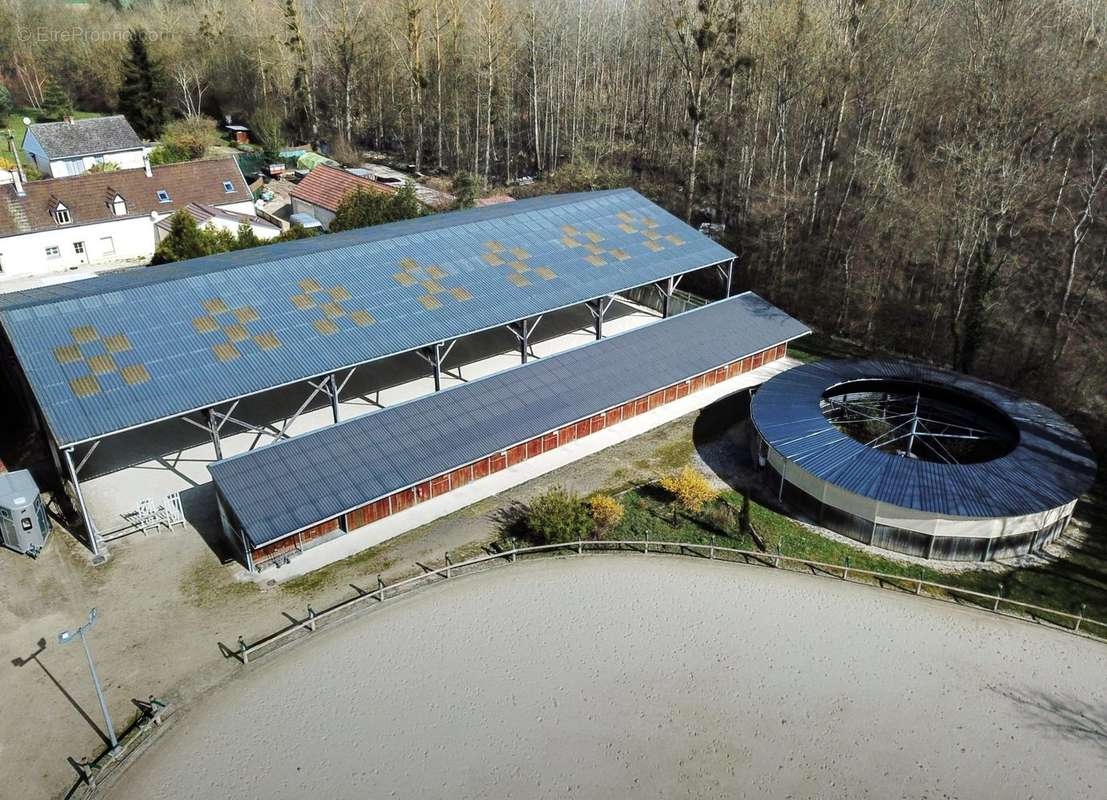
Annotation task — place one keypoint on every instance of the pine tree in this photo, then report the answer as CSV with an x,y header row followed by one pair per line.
x,y
143,87
55,102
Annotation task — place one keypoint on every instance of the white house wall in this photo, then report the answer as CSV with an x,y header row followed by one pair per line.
x,y
25,254
324,216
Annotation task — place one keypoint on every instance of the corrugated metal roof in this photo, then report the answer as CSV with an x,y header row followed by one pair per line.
x,y
1051,464
131,348
298,482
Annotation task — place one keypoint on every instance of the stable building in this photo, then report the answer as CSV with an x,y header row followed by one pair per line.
x,y
229,353
277,501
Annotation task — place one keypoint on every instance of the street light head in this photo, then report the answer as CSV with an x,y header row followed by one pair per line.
x,y
91,616
64,637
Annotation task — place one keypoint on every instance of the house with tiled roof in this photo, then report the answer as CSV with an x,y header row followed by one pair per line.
x,y
214,218
322,191
107,217
73,147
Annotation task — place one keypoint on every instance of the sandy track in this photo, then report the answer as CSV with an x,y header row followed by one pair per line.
x,y
626,676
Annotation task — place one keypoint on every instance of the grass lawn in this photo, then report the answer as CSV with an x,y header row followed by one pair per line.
x,y
1063,584
16,126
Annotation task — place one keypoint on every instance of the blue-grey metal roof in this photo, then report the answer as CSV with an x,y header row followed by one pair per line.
x,y
131,348
293,484
1050,466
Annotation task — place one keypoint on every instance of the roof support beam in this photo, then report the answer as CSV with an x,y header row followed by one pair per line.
x,y
599,308
666,289
523,330
86,518
435,355
726,272
213,428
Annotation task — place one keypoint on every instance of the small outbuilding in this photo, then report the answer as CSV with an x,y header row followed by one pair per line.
x,y
24,525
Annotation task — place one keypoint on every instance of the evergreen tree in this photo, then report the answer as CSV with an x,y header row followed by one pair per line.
x,y
143,87
56,104
246,237
404,204
364,208
7,104
185,240
294,232
465,190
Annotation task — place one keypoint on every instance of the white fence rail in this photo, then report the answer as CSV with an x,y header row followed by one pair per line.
x,y
1077,624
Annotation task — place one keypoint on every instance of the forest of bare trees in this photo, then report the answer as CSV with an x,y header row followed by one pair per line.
x,y
921,176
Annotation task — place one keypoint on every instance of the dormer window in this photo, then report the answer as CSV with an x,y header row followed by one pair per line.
x,y
61,215
119,206
163,196
228,187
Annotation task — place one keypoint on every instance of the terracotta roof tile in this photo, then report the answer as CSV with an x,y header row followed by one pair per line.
x,y
88,197
326,187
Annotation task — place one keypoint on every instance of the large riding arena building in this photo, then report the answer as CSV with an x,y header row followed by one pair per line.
x,y
920,460
145,377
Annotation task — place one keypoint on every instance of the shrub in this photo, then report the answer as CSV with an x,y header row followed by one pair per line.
x,y
690,491
191,136
558,516
104,166
167,154
607,513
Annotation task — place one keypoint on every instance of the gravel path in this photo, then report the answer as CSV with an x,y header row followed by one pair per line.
x,y
626,676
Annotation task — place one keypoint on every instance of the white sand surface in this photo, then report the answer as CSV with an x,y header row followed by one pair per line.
x,y
634,676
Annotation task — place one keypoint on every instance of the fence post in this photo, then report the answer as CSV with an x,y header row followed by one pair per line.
x,y
580,547
514,550
918,586
776,560
712,547
380,589
1083,608
448,570
999,596
646,549
311,619
242,653
845,572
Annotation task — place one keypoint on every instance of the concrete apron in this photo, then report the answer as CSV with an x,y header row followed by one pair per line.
x,y
429,510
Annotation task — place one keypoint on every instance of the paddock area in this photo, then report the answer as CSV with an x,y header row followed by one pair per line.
x,y
628,676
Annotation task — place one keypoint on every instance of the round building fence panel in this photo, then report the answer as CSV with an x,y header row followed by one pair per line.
x,y
919,460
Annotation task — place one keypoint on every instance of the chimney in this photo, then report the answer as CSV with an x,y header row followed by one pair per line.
x,y
146,165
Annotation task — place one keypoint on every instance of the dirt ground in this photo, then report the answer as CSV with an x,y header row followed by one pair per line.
x,y
165,600
623,676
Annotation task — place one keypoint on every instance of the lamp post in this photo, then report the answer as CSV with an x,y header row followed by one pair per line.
x,y
68,636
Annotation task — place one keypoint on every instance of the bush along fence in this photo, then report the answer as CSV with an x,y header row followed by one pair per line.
x,y
1077,624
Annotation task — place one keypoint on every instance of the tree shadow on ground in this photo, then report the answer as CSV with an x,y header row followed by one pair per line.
x,y
511,520
1064,715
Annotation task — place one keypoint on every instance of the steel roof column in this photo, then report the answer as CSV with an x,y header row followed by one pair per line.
x,y
729,277
436,362
214,434
333,381
86,518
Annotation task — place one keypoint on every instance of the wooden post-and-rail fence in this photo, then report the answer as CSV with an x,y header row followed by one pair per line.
x,y
1077,624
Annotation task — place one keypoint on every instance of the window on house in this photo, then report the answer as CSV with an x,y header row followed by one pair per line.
x,y
53,252
119,206
79,248
163,196
61,215
107,246
228,187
